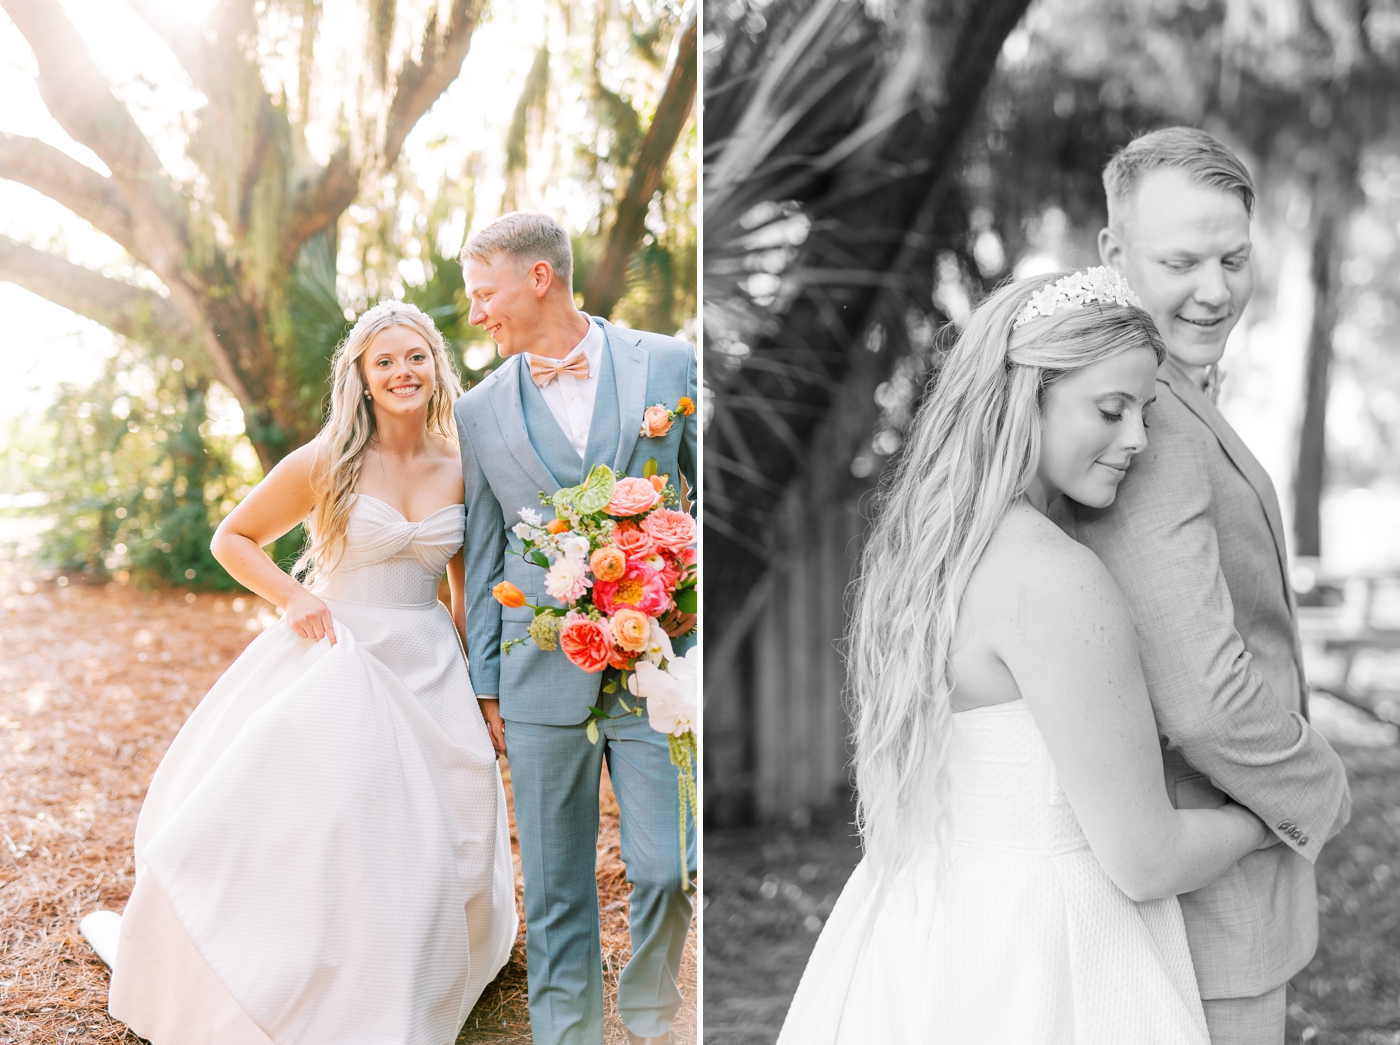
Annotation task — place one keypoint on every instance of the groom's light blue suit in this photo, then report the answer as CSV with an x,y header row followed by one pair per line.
x,y
512,450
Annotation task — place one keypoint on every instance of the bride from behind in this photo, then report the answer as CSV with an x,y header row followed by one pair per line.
x,y
323,854
1021,855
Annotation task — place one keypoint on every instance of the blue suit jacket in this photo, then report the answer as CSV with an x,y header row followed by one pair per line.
x,y
504,472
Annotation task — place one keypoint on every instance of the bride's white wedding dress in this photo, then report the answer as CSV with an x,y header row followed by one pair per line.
x,y
323,855
1029,941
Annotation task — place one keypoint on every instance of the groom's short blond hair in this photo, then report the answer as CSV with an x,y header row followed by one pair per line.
x,y
527,238
1198,155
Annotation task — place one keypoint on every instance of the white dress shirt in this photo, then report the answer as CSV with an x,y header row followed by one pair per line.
x,y
570,399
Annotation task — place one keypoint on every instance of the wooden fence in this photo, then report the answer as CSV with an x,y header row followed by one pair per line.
x,y
775,731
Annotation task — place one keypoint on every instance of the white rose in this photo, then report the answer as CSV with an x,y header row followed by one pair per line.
x,y
670,694
573,546
567,579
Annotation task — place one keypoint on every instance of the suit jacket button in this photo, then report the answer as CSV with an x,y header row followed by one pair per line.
x,y
1284,825
1303,840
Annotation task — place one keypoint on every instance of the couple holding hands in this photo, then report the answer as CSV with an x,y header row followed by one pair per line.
x,y
324,852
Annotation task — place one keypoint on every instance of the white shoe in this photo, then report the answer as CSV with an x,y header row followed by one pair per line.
x,y
102,930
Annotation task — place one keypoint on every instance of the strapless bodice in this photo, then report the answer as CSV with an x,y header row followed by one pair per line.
x,y
1006,794
390,561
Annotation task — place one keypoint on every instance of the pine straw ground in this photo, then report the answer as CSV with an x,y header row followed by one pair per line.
x,y
767,891
94,684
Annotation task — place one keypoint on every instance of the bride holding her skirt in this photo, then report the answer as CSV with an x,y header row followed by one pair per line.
x,y
323,854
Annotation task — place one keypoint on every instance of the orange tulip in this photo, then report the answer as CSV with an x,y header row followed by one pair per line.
x,y
557,526
658,482
508,595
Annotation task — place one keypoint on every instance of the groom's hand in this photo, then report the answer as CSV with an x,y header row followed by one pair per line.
x,y
675,623
495,725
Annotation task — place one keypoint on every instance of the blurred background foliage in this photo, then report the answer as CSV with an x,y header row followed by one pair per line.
x,y
872,170
222,341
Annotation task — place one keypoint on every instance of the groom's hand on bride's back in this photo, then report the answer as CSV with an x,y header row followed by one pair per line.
x,y
495,725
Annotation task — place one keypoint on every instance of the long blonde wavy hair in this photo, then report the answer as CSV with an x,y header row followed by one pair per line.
x,y
972,451
350,426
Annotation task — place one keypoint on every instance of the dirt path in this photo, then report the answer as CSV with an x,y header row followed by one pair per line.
x,y
94,684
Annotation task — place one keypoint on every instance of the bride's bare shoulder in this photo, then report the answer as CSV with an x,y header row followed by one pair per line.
x,y
1029,558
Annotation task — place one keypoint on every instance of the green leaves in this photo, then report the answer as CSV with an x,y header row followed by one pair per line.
x,y
538,558
592,731
649,469
686,600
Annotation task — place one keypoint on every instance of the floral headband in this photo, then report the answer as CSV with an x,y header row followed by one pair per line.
x,y
1096,286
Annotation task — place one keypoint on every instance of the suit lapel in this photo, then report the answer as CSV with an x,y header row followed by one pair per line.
x,y
629,361
1234,448
510,417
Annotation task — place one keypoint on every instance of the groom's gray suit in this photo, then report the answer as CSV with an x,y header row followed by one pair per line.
x,y
1195,539
512,449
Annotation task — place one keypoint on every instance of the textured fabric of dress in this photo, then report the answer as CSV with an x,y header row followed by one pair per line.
x,y
323,854
1023,940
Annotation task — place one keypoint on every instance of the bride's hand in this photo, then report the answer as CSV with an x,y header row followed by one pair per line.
x,y
495,725
309,617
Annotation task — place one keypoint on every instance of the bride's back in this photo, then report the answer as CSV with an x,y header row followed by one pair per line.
x,y
991,615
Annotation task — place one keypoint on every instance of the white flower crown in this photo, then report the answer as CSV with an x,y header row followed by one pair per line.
x,y
1096,286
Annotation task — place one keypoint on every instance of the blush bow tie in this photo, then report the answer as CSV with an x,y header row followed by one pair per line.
x,y
543,371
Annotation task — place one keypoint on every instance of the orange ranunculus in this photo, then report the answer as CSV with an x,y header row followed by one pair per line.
x,y
608,564
507,594
620,660
631,629
557,526
686,406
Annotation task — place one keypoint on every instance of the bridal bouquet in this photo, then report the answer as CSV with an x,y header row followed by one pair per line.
x,y
619,556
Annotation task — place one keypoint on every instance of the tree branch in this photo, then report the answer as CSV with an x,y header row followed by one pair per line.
x,y
420,84
133,312
82,101
240,120
62,178
606,281
320,201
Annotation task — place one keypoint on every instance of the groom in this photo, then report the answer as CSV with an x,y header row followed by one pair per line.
x,y
1195,540
570,395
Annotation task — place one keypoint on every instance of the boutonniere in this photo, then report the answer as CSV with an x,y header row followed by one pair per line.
x,y
657,420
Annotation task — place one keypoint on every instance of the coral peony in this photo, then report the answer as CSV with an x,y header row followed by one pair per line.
x,y
587,643
641,588
631,630
656,422
672,530
634,542
507,594
608,564
632,496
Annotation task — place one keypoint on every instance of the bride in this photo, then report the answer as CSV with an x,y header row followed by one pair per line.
x,y
323,854
1021,855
